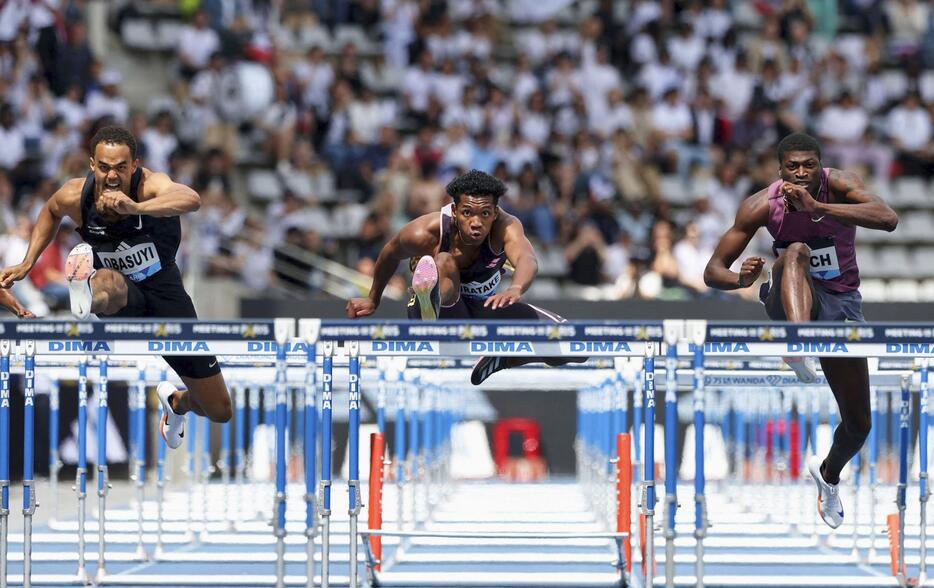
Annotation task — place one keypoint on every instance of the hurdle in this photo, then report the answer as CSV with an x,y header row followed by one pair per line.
x,y
423,401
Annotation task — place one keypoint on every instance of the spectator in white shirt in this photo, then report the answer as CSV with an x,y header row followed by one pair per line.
x,y
418,83
657,77
71,108
599,79
448,85
366,117
524,82
687,48
843,128
562,81
58,141
12,146
315,77
107,101
909,128
715,20
278,123
735,87
468,112
618,116
908,20
196,43
160,141
691,258
534,123
671,122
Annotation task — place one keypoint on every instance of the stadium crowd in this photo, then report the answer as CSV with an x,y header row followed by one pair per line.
x,y
593,113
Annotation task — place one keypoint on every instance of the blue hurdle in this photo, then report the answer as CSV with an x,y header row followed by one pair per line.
x,y
923,466
309,331
160,485
103,481
138,417
327,382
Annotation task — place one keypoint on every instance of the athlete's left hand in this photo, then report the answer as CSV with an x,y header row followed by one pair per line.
x,y
116,202
797,198
506,298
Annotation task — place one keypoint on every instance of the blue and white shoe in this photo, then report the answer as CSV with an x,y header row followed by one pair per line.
x,y
829,504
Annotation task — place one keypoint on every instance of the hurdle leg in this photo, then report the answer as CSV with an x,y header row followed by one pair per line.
x,y
353,441
697,337
254,403
412,458
856,464
206,470
29,440
399,452
324,507
648,470
191,428
81,475
4,458
160,490
140,448
873,461
103,480
55,463
671,451
901,498
311,448
923,469
239,454
279,497
223,464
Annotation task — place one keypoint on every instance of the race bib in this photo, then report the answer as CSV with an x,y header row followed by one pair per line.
x,y
481,289
137,262
824,263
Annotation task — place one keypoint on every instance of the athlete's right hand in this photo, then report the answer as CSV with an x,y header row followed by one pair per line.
x,y
14,273
360,307
750,270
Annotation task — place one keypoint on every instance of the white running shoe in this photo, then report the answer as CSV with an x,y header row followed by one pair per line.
x,y
79,269
425,288
829,504
172,425
803,367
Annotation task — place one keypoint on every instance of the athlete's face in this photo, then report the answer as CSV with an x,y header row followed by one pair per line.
x,y
475,216
802,168
113,166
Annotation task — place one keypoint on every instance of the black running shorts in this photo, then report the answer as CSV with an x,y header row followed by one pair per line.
x,y
163,296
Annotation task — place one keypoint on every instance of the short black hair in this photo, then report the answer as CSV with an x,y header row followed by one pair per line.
x,y
797,142
116,135
476,183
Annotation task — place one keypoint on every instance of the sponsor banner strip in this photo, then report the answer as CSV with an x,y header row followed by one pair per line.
x,y
571,338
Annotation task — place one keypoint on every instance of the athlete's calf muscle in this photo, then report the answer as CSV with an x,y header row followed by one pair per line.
x,y
109,290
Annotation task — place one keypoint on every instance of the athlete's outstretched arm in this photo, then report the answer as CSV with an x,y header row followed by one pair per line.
x,y
50,217
415,238
752,214
161,197
862,207
522,256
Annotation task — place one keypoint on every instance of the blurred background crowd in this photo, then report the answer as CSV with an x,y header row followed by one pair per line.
x,y
627,131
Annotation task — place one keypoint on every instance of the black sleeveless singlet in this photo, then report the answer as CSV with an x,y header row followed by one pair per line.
x,y
481,279
137,246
